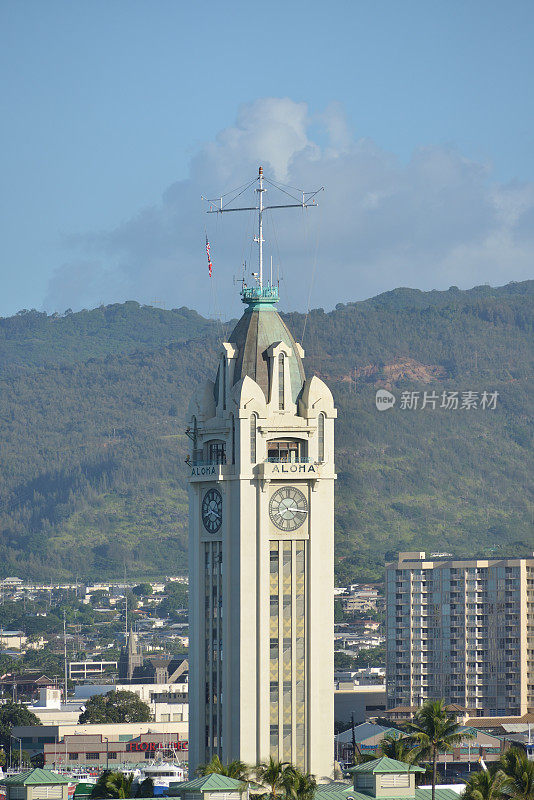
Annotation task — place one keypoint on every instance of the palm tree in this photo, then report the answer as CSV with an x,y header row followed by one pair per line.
x,y
298,785
517,773
484,785
113,785
434,730
401,749
272,773
234,769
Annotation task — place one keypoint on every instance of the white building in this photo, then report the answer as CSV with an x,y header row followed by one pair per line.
x,y
261,551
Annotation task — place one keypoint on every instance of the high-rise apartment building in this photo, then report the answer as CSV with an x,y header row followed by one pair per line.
x,y
261,517
462,630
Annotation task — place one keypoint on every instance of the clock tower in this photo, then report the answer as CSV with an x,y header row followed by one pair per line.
x,y
261,551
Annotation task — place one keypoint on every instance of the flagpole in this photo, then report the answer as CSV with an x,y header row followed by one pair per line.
x,y
260,191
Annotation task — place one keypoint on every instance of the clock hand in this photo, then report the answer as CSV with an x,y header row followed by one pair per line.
x,y
291,508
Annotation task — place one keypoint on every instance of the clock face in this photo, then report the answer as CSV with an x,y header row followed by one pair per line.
x,y
212,510
288,508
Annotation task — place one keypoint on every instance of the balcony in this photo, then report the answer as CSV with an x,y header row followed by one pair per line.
x,y
302,468
209,470
281,460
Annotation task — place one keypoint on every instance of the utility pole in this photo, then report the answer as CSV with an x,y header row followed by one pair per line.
x,y
353,739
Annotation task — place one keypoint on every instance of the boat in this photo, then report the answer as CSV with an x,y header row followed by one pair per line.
x,y
163,770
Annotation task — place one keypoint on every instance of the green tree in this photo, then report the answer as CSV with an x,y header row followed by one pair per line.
x,y
484,785
517,773
145,788
400,748
271,774
113,784
116,707
11,715
142,590
298,785
434,730
234,769
342,661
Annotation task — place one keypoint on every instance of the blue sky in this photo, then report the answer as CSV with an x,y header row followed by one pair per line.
x,y
416,116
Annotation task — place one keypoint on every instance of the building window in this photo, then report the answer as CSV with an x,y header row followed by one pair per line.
x,y
73,756
400,781
286,451
281,381
217,452
320,435
224,382
111,754
92,756
253,419
233,438
195,433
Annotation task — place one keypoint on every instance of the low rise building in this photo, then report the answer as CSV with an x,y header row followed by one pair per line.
x,y
35,738
367,737
13,640
25,684
382,778
114,751
169,702
86,670
209,787
358,701
36,784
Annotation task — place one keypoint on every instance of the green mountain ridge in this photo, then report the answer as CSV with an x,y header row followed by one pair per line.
x,y
92,405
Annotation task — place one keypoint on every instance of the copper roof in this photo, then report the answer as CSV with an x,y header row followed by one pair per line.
x,y
255,332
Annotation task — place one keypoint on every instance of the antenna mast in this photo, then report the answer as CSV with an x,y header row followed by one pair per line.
x,y
259,238
307,202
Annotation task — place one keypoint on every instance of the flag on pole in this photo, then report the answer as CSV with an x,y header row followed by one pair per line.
x,y
210,265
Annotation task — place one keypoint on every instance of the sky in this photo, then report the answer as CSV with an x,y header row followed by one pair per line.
x,y
417,118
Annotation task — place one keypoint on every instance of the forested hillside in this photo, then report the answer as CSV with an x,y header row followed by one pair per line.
x,y
92,480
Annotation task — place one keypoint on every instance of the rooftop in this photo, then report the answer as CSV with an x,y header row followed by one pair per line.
x,y
342,791
34,777
384,765
206,783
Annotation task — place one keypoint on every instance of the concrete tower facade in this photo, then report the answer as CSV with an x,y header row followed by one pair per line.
x,y
261,544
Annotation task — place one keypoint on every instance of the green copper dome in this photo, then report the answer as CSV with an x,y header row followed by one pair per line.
x,y
259,328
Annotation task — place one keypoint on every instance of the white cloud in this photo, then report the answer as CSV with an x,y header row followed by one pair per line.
x,y
438,220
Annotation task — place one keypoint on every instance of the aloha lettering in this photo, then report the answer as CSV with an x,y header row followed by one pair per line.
x,y
203,471
294,468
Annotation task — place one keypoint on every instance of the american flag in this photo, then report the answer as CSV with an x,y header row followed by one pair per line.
x,y
208,255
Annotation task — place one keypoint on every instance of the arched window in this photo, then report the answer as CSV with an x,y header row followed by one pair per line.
x,y
320,437
224,382
193,435
253,418
233,438
281,381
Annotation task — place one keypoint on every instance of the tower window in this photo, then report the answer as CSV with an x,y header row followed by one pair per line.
x,y
253,438
216,452
233,439
281,381
224,383
320,435
286,450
